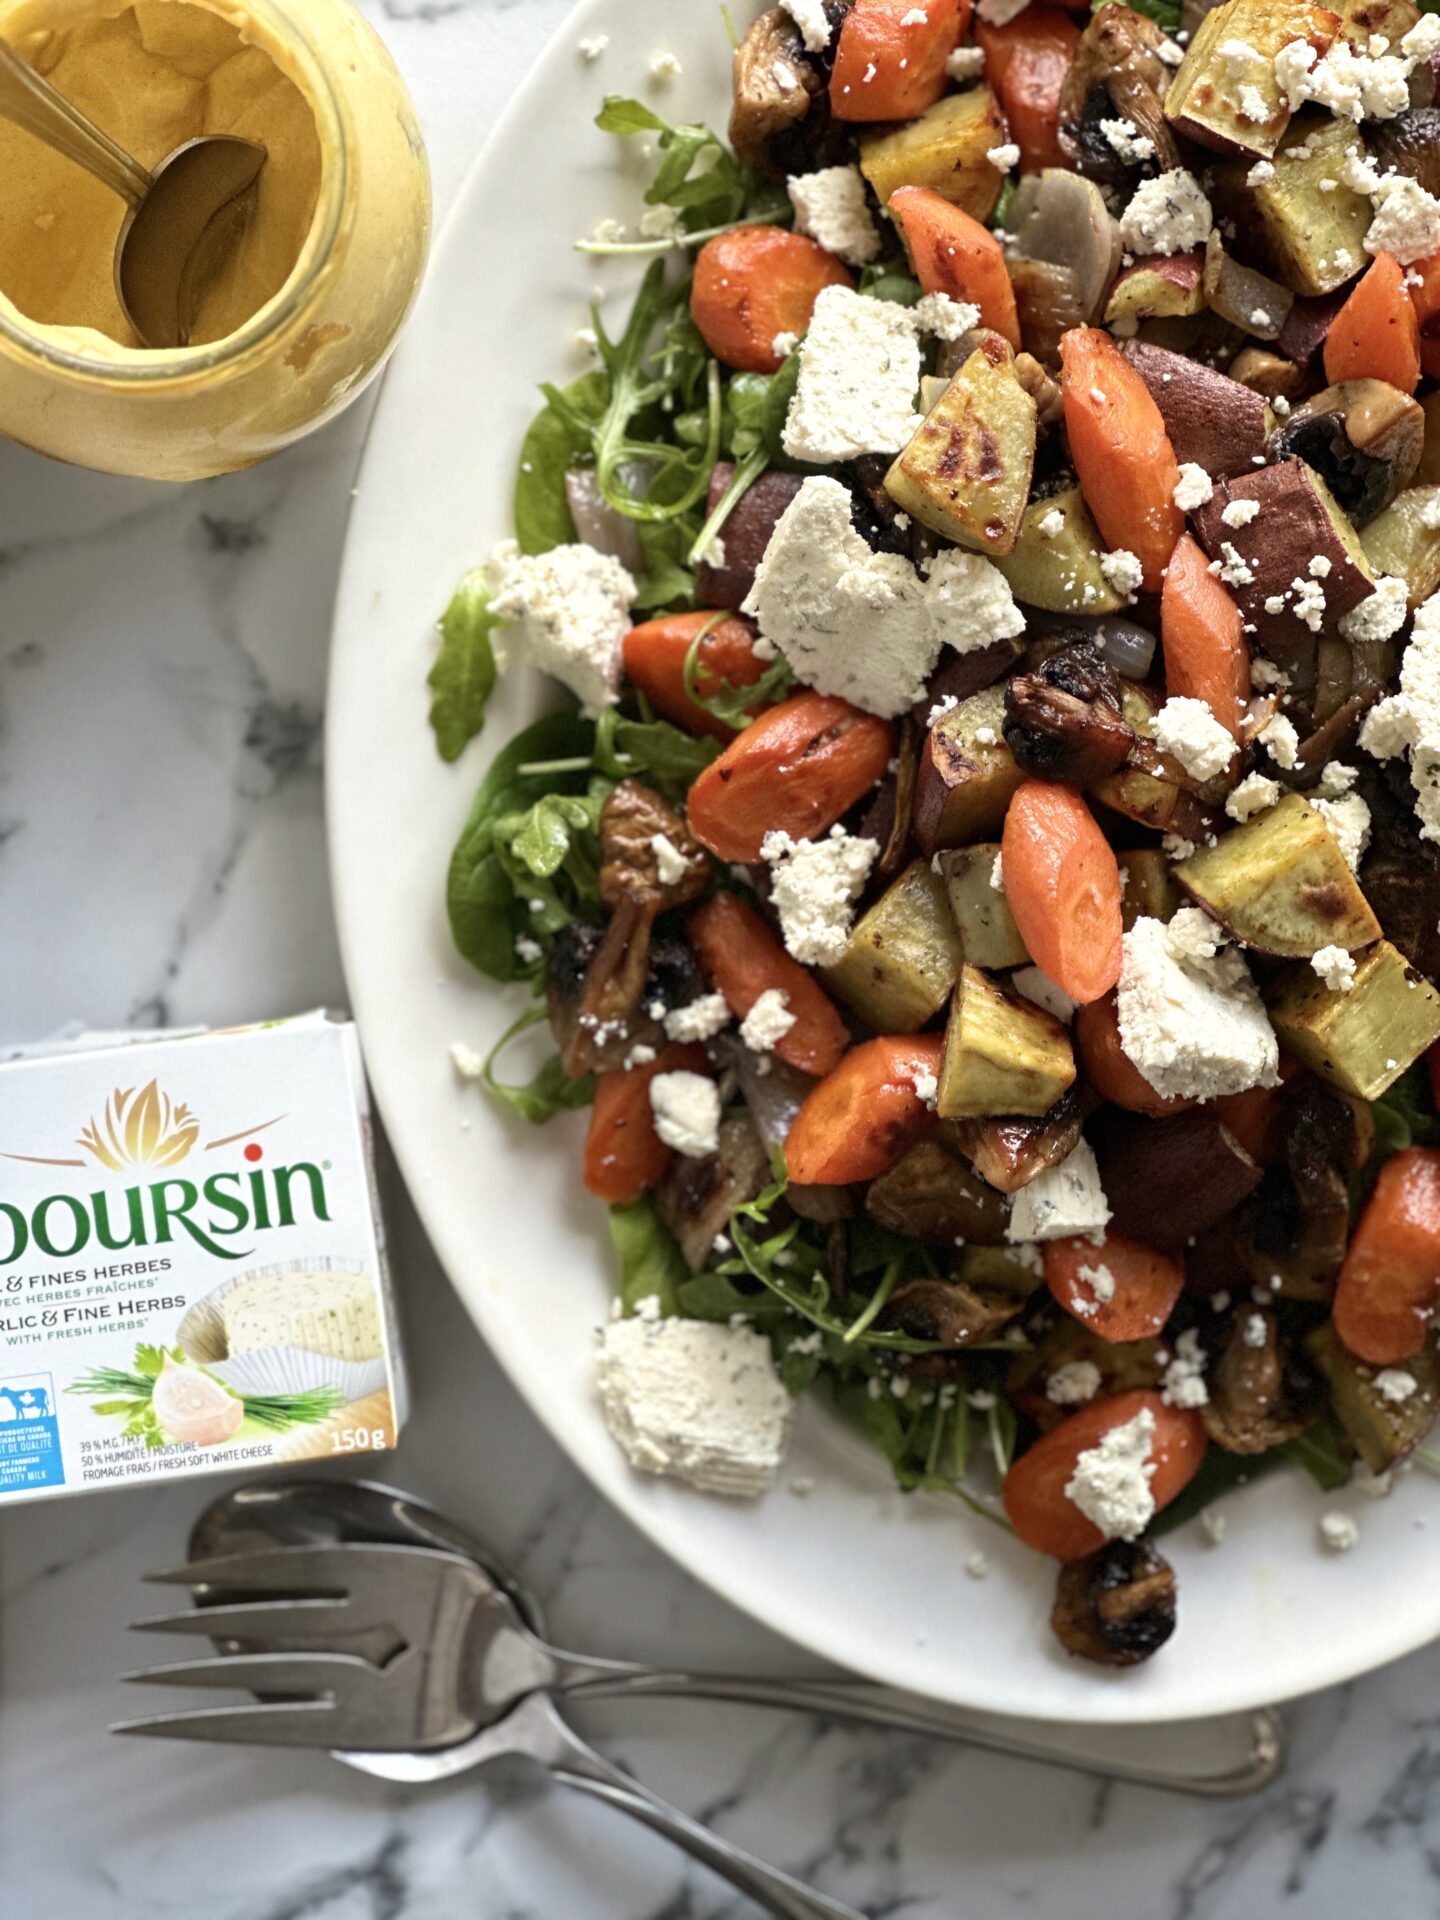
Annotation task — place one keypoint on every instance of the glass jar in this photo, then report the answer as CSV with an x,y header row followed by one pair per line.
x,y
313,347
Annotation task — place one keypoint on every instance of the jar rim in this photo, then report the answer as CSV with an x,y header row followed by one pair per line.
x,y
165,366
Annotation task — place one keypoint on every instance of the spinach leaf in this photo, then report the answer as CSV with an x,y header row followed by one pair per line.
x,y
650,1262
551,1091
463,676
666,579
756,406
1321,1451
559,436
890,279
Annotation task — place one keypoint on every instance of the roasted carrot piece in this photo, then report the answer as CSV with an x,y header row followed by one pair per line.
x,y
1423,280
1257,1116
1062,882
795,769
1121,451
1120,1290
1108,1067
655,655
624,1156
1203,636
952,253
890,57
754,283
1389,1285
1376,334
744,959
1041,1511
863,1116
1026,62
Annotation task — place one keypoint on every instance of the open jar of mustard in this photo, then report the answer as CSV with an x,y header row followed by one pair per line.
x,y
305,313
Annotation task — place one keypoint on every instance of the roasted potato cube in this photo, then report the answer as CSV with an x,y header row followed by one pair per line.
x,y
1210,418
1280,883
1403,541
1060,570
998,1271
988,934
1165,287
1270,375
1151,800
1002,1055
1310,236
1427,474
966,473
967,774
1247,299
1381,1431
931,1194
1204,98
1360,20
901,961
1363,1040
1147,891
945,150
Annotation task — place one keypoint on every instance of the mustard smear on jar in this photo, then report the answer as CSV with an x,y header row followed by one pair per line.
x,y
311,302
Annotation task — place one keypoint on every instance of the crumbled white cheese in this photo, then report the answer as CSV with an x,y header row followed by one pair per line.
x,y
1041,990
686,1110
831,208
1280,741
662,222
1111,1481
468,1064
671,866
1407,220
768,1021
1355,85
965,63
571,611
1239,513
1072,1384
1188,730
814,885
1337,779
1052,524
1262,171
694,1400
927,1086
701,1020
997,872
1167,215
1101,1283
1123,570
1193,488
1396,1384
527,951
976,1565
1004,157
1184,1382
1213,1525
1338,1531
639,1056
664,66
1335,967
814,24
1192,935
1124,138
1381,613
1232,567
1255,1332
594,45
866,625
1253,795
1061,1201
608,233
1192,1023
947,319
859,375
999,13
1348,818
784,344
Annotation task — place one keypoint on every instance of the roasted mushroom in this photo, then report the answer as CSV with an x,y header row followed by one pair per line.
x,y
696,1198
1064,721
930,1194
1293,1233
1363,437
1045,392
1408,144
1010,1152
776,86
1262,1392
580,962
635,861
1117,1606
952,1312
1119,1366
1402,873
1116,74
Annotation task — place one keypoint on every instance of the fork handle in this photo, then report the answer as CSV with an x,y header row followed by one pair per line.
x,y
774,1892
1221,1758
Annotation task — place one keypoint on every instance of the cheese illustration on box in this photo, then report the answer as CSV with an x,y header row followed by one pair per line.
x,y
191,1261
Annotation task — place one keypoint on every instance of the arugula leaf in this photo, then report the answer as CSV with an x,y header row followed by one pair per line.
x,y
724,699
669,759
561,434
715,193
619,115
551,1091
1321,1451
487,911
463,676
650,1261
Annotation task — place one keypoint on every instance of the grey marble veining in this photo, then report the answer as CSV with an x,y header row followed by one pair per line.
x,y
162,660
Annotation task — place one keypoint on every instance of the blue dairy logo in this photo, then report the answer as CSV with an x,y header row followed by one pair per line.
x,y
29,1433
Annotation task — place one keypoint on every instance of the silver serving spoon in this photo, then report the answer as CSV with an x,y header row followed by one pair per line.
x,y
185,219
1234,1754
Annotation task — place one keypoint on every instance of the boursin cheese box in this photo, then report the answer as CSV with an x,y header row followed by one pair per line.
x,y
192,1270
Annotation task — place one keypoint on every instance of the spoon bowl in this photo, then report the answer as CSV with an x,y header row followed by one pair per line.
x,y
175,243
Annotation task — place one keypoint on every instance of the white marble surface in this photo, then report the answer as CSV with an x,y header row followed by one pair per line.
x,y
162,661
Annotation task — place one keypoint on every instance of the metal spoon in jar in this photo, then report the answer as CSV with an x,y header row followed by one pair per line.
x,y
185,219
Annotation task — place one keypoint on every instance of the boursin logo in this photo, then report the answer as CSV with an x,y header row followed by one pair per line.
x,y
141,1130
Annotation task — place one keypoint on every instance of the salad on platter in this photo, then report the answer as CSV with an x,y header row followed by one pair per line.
x,y
981,868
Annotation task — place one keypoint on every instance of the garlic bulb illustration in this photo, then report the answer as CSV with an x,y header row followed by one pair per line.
x,y
191,1406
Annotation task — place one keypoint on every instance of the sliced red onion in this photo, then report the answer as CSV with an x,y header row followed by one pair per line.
x,y
1128,647
597,523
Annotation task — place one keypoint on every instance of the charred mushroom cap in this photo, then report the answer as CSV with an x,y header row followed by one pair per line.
x,y
1064,721
1293,1234
1116,74
696,1198
1008,1151
670,979
930,1194
1409,144
1117,1606
952,1312
1262,1391
780,120
1363,437
632,820
1045,392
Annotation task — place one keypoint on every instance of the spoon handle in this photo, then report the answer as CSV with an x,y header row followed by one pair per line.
x,y
1234,1754
29,101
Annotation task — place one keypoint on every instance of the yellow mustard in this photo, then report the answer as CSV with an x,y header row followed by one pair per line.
x,y
312,301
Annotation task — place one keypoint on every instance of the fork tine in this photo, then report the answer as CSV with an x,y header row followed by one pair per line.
x,y
290,1723
282,1569
309,1673
250,1619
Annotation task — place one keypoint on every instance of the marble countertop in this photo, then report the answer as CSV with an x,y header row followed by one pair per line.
x,y
162,661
